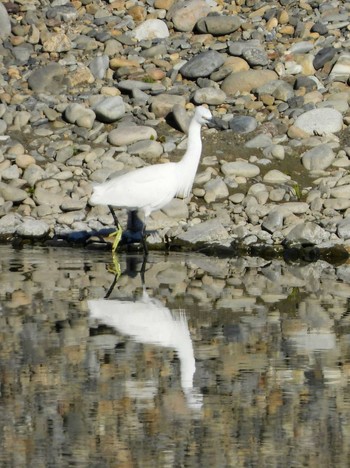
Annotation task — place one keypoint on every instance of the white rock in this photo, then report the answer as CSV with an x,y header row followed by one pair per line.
x,y
318,158
276,177
77,114
33,228
126,135
341,68
110,109
209,95
215,189
320,121
151,29
240,168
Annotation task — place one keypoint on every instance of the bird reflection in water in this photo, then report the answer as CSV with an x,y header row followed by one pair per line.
x,y
147,320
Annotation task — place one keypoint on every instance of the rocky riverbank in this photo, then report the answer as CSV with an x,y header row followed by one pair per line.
x,y
92,88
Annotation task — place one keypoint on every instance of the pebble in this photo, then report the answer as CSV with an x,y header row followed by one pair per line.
x,y
147,149
126,135
32,228
109,109
318,158
209,95
116,92
150,29
207,231
185,14
243,124
215,189
50,78
307,233
163,104
240,168
79,115
218,25
276,177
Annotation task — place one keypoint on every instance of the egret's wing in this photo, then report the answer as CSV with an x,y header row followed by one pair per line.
x,y
148,188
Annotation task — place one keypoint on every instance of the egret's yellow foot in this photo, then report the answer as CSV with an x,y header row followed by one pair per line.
x,y
115,268
117,236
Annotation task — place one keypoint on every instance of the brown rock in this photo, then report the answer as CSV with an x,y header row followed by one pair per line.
x,y
245,81
163,4
80,75
57,43
138,13
295,132
118,62
185,15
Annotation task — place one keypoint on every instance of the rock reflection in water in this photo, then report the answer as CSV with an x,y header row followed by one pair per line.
x,y
272,355
148,321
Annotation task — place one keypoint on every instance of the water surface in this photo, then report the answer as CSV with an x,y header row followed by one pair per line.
x,y
209,362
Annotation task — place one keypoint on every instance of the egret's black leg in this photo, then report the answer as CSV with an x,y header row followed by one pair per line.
x,y
144,243
115,219
118,232
143,269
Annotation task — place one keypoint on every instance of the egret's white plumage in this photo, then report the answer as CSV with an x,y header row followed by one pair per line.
x,y
148,321
152,187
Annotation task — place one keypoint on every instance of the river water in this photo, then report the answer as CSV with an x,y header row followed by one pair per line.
x,y
197,362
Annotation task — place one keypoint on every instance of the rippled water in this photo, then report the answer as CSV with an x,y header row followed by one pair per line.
x,y
210,362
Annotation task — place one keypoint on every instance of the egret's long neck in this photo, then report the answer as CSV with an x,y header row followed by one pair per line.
x,y
190,160
194,146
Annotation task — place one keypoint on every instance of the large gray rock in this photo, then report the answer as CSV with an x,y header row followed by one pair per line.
x,y
307,233
185,14
323,56
163,104
208,231
99,65
48,79
320,121
13,194
318,158
256,56
209,95
33,228
9,223
109,109
341,191
5,23
126,135
33,173
202,65
219,25
147,149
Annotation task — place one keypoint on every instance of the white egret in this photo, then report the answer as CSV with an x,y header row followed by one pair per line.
x,y
150,188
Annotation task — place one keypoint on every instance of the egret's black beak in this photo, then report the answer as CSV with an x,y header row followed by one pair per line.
x,y
217,123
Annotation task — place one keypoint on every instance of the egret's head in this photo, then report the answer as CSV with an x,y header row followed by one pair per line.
x,y
203,115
